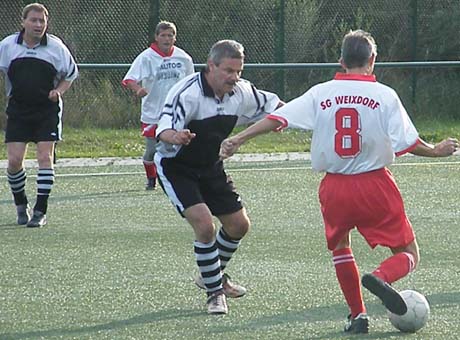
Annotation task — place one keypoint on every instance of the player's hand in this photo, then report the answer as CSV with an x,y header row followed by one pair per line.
x,y
447,147
54,95
228,147
141,92
183,137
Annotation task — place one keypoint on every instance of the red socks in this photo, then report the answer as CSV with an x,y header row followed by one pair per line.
x,y
150,169
395,267
350,282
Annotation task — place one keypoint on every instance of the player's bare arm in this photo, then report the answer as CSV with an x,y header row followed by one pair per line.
x,y
442,149
181,137
230,145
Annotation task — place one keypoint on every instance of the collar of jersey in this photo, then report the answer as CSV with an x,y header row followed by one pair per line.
x,y
352,76
154,46
207,89
43,41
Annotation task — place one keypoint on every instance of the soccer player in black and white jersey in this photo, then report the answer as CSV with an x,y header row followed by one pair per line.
x,y
199,113
38,70
359,125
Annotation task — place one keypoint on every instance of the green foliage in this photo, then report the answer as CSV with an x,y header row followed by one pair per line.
x,y
101,103
116,31
94,143
443,23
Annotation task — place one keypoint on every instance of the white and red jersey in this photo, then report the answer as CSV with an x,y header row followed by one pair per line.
x,y
157,73
358,124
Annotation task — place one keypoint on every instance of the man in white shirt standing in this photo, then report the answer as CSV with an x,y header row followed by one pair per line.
x,y
150,77
358,125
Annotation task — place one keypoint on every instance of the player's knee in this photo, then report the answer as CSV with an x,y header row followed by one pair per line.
x,y
416,259
14,164
239,229
246,226
15,161
44,160
413,254
204,233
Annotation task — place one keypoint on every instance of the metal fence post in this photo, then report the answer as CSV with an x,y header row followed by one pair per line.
x,y
414,49
279,46
154,18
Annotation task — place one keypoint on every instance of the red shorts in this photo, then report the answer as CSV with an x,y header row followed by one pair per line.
x,y
149,130
371,202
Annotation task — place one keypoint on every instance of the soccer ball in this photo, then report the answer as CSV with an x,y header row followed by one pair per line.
x,y
418,311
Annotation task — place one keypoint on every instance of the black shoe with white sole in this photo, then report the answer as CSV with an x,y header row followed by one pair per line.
x,y
390,297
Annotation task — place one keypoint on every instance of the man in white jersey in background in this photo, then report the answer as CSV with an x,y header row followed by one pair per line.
x,y
358,125
200,112
150,77
39,69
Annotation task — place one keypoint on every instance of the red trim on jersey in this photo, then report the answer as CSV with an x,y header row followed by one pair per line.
x,y
127,81
149,130
154,46
354,76
282,120
409,149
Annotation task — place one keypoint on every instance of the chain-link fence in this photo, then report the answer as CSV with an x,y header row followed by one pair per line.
x,y
272,31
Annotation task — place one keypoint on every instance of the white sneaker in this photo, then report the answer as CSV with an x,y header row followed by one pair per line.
x,y
231,290
217,303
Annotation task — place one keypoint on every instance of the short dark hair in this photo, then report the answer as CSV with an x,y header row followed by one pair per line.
x,y
37,7
225,49
165,25
357,48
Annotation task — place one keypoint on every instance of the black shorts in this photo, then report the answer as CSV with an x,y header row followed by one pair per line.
x,y
47,128
186,186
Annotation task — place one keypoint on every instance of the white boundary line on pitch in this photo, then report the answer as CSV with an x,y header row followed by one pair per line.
x,y
101,174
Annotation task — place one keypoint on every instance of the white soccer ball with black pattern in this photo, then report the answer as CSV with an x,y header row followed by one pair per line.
x,y
418,311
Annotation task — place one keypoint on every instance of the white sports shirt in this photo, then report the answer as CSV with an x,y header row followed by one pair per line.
x,y
157,73
33,72
358,124
192,104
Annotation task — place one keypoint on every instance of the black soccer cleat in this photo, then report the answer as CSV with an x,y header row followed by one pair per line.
x,y
23,214
150,184
390,297
38,220
358,325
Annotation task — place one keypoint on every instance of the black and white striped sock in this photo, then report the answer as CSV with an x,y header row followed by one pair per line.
x,y
226,247
207,258
45,181
17,184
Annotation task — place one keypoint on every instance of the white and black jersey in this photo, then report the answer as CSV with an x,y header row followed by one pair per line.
x,y
191,104
31,73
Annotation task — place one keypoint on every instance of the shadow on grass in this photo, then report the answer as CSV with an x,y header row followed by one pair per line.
x,y
86,196
319,314
149,318
12,226
334,313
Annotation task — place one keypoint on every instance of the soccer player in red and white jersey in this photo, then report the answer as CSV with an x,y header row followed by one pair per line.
x,y
150,77
359,126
